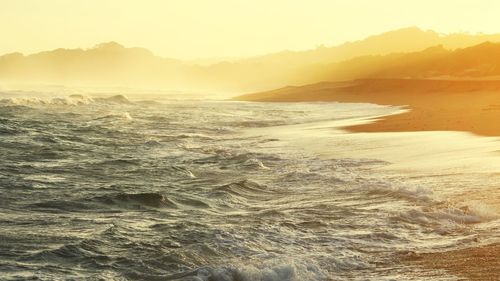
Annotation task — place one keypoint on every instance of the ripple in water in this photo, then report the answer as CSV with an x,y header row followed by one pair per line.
x,y
110,189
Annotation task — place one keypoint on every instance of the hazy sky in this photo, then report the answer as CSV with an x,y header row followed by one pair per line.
x,y
227,28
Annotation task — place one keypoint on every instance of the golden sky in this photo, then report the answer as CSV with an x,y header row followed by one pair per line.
x,y
227,28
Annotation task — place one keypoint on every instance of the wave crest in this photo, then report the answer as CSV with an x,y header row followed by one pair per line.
x,y
285,272
150,199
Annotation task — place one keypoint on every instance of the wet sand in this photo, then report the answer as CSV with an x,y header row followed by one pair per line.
x,y
477,263
476,112
434,105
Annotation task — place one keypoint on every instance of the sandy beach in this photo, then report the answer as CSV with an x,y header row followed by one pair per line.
x,y
434,105
480,263
476,112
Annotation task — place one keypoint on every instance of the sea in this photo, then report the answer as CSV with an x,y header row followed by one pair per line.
x,y
111,187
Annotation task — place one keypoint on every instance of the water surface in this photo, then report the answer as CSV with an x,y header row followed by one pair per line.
x,y
112,189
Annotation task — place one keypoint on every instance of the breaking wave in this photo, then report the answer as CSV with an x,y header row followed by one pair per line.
x,y
112,189
286,272
72,100
139,200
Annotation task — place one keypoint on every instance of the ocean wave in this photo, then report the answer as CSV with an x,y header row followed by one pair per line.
x,y
430,210
484,211
59,206
74,252
138,200
183,171
443,221
115,116
105,199
236,159
116,99
260,123
71,100
409,193
243,187
9,130
122,162
243,193
193,136
286,272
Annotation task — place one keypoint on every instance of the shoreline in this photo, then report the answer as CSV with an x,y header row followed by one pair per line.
x,y
474,111
434,105
478,263
477,112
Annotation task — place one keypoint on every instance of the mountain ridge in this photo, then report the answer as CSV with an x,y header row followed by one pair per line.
x,y
110,63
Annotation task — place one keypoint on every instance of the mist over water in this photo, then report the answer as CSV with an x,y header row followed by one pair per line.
x,y
112,189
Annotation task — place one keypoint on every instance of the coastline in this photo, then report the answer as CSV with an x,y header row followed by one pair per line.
x,y
476,262
476,112
434,105
405,135
481,263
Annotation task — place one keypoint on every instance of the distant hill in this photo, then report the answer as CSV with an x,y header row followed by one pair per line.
x,y
380,91
480,61
105,64
476,62
392,54
403,40
324,63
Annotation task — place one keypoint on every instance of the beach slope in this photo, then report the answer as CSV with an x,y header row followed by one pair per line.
x,y
435,105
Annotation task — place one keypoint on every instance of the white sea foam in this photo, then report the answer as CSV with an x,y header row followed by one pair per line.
x,y
242,206
287,272
72,100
